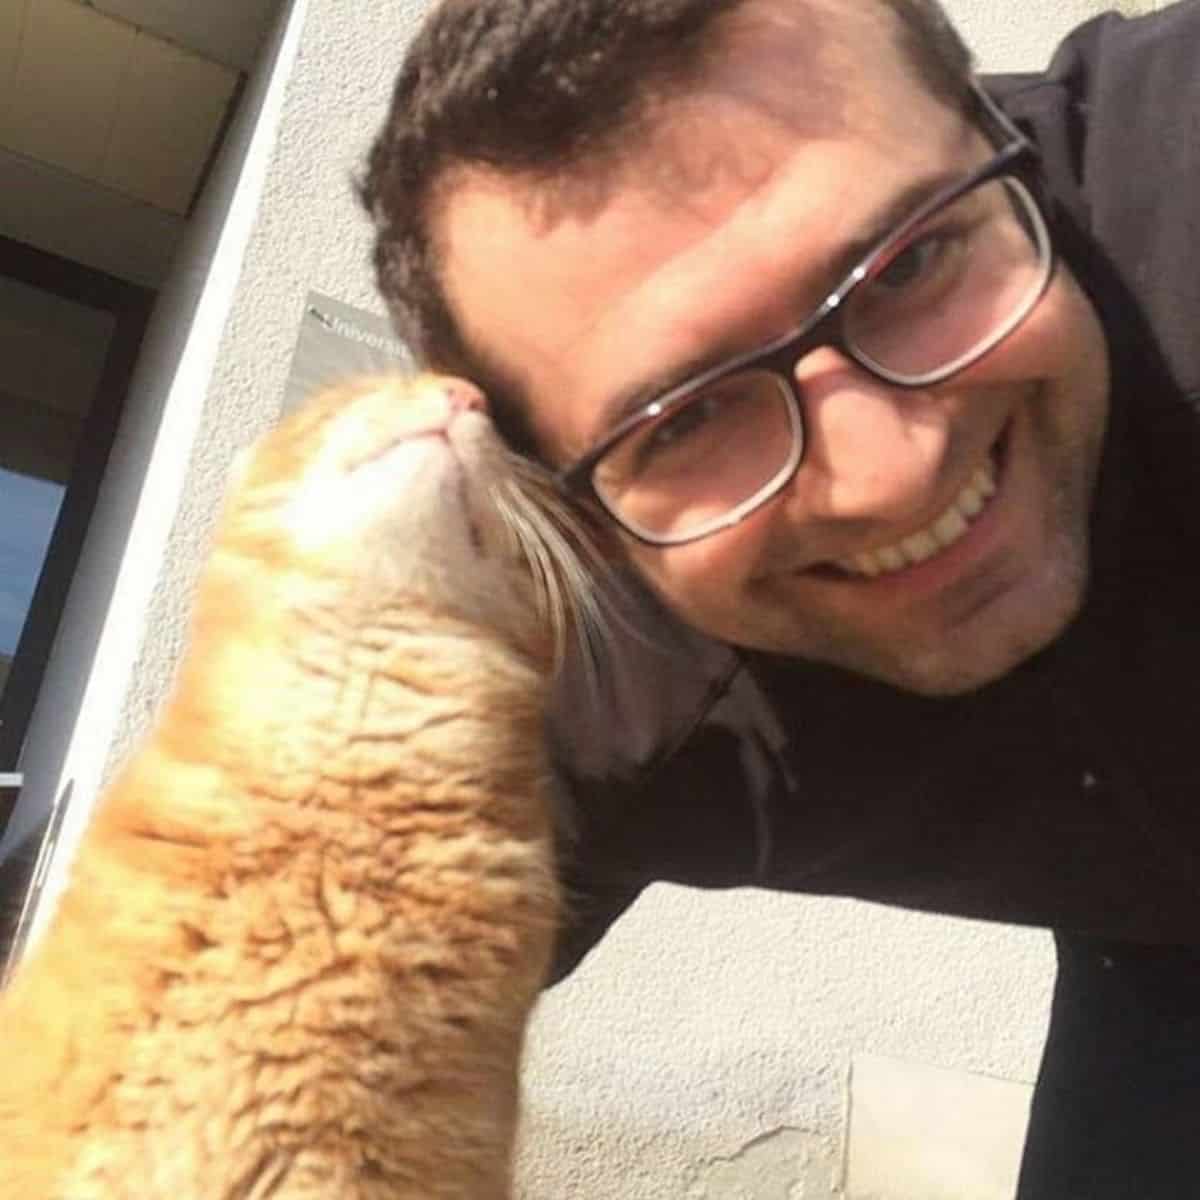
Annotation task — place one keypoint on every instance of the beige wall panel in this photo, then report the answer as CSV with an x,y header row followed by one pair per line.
x,y
12,24
168,113
65,88
65,215
228,31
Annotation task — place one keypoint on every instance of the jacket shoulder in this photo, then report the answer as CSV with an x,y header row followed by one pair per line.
x,y
1116,116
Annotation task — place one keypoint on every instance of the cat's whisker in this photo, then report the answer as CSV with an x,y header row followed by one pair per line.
x,y
569,558
557,604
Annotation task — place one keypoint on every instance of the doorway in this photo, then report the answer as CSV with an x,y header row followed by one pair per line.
x,y
69,340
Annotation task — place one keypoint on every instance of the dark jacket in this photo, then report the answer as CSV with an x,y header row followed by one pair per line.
x,y
1066,794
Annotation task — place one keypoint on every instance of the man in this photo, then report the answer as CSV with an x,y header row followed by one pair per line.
x,y
886,385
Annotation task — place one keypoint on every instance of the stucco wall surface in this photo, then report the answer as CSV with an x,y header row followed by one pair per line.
x,y
704,1049
1016,36
309,235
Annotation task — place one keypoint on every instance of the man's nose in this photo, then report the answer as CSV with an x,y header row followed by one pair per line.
x,y
873,450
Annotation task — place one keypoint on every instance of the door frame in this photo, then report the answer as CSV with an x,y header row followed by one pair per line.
x,y
131,306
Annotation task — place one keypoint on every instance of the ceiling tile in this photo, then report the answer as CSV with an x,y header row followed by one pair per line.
x,y
64,92
168,116
228,31
12,23
65,215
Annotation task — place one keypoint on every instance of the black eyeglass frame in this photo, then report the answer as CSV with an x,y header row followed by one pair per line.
x,y
1017,159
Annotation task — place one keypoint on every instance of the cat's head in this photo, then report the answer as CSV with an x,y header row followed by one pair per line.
x,y
395,492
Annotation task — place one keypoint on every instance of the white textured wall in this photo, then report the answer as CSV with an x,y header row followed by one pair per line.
x,y
308,235
709,1032
1015,36
703,1050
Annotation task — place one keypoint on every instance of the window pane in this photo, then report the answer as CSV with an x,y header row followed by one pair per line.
x,y
30,507
52,352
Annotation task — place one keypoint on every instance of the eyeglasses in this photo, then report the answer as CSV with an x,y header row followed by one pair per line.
x,y
945,287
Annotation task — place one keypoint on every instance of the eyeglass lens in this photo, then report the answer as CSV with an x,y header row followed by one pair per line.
x,y
952,287
689,467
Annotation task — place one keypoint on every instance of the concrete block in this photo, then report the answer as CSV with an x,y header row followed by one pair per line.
x,y
918,1132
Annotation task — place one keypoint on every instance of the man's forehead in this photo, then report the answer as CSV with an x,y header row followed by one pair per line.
x,y
817,69
786,61
788,76
804,60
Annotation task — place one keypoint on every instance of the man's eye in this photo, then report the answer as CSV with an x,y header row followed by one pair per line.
x,y
676,432
688,420
914,263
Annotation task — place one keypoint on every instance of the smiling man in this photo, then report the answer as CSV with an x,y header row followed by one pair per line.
x,y
751,200
877,378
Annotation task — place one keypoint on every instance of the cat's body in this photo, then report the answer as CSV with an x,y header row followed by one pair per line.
x,y
308,921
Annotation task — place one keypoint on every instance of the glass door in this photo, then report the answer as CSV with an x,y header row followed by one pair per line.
x,y
52,353
69,338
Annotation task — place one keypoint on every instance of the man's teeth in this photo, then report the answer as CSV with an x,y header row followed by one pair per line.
x,y
945,531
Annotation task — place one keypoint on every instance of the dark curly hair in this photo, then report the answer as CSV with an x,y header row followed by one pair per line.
x,y
542,88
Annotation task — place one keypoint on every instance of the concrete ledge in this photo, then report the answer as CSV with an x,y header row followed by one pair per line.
x,y
925,1133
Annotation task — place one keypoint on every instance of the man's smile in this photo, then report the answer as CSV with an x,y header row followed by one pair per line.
x,y
930,541
928,546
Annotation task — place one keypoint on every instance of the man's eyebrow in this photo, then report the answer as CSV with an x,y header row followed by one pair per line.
x,y
840,262
891,216
629,400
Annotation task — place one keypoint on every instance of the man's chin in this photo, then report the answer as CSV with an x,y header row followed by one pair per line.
x,y
961,663
937,680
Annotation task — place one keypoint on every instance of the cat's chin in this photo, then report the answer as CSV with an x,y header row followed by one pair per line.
x,y
412,498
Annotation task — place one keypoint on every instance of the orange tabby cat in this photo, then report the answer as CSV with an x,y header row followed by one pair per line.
x,y
309,919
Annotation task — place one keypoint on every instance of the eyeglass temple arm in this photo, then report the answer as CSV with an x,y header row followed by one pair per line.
x,y
991,111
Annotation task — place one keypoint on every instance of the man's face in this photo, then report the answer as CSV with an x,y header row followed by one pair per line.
x,y
726,227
